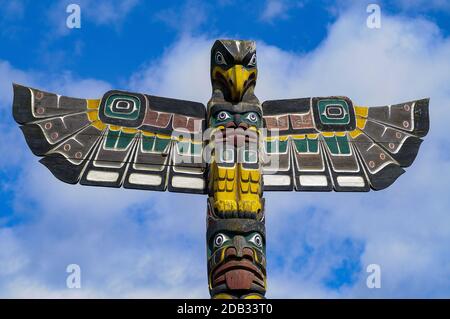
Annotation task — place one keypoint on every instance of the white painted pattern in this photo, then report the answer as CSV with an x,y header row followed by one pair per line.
x,y
145,179
351,181
188,182
313,180
277,180
99,176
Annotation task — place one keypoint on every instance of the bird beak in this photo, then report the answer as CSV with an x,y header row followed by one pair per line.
x,y
237,79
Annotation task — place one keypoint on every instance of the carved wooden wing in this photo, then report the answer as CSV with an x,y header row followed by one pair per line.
x,y
329,144
124,139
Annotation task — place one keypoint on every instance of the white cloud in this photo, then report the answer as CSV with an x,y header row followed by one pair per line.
x,y
182,72
139,244
187,18
274,9
278,9
109,12
8,73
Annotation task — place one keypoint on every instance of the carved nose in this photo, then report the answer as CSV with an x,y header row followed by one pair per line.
x,y
231,124
243,125
239,243
239,123
244,252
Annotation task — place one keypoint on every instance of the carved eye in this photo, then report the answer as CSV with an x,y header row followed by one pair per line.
x,y
252,117
220,60
252,60
219,240
257,240
223,116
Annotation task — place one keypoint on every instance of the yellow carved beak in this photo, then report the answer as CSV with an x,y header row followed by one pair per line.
x,y
237,80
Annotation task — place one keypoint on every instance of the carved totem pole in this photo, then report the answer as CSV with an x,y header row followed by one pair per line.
x,y
233,150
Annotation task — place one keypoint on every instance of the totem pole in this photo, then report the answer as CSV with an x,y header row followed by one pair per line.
x,y
232,151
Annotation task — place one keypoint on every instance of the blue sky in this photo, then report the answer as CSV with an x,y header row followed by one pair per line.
x,y
140,244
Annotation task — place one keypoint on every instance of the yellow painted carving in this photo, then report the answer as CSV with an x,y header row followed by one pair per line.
x,y
99,125
147,133
166,137
361,122
93,104
236,189
249,190
92,116
282,138
361,111
253,296
129,130
299,137
328,134
224,188
223,296
355,133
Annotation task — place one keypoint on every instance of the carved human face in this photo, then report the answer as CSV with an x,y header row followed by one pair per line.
x,y
236,257
236,125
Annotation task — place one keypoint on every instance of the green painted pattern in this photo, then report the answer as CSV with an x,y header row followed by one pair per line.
x,y
111,139
332,145
338,145
161,144
147,143
322,106
127,116
306,145
118,139
154,144
344,145
301,145
313,145
271,146
125,140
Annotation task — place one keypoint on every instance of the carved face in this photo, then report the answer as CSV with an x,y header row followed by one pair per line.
x,y
236,256
227,118
243,118
236,124
233,68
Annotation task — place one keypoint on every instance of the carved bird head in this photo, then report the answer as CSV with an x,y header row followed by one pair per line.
x,y
233,68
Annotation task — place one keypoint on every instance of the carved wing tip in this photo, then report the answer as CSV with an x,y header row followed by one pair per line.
x,y
61,168
422,117
386,177
21,103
